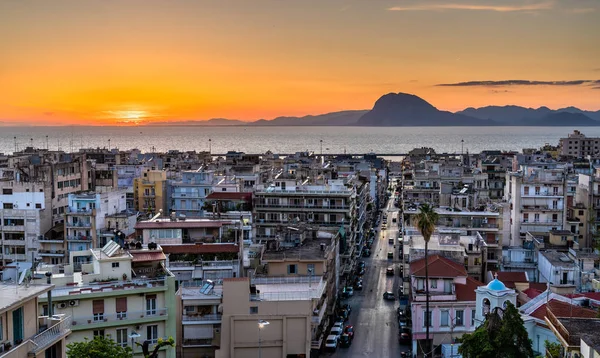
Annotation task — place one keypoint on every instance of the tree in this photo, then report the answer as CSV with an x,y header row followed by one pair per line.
x,y
553,349
502,335
425,221
160,343
99,347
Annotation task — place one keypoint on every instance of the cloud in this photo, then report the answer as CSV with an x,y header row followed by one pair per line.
x,y
518,83
500,91
474,7
582,10
598,87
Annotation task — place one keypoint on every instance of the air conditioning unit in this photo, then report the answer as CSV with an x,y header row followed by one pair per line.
x,y
62,305
74,303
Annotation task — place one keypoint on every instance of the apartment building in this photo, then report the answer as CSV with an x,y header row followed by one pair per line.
x,y
24,218
537,201
188,196
269,317
338,204
24,330
452,301
200,262
577,145
121,293
199,304
175,231
149,191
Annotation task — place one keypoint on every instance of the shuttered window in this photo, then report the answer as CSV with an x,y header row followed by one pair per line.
x,y
121,304
98,306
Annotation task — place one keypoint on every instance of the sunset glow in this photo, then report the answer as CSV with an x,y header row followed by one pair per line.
x,y
132,62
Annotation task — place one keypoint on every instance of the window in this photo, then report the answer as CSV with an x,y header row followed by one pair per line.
x,y
292,269
555,190
150,305
99,332
433,283
98,310
526,190
7,191
460,315
427,319
121,307
122,337
536,218
525,217
444,319
310,269
472,318
38,206
554,218
253,309
115,264
7,206
537,190
420,285
152,334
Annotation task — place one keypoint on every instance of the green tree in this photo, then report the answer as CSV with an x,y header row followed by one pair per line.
x,y
425,221
553,349
99,347
160,343
502,335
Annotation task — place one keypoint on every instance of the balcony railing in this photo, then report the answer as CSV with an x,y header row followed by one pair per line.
x,y
117,317
109,286
198,318
79,238
197,341
302,206
79,224
48,337
79,211
540,222
59,253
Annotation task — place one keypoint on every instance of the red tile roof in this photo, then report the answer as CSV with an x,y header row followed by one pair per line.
x,y
563,309
593,295
229,196
147,256
200,248
466,292
532,292
538,286
186,224
438,267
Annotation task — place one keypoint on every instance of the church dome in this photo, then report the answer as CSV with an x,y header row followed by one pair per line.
x,y
496,285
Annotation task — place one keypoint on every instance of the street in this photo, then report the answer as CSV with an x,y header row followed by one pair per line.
x,y
374,318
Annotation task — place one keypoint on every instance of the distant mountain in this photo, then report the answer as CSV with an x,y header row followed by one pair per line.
x,y
210,122
343,118
562,119
403,109
515,115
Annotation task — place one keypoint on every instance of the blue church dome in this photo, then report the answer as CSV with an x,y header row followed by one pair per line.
x,y
496,285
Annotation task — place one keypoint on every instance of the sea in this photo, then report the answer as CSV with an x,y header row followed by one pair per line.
x,y
288,139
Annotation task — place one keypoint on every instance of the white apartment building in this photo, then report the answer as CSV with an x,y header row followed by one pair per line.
x,y
121,293
537,200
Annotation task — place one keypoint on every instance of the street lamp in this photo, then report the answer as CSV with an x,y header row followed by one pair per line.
x,y
261,324
134,336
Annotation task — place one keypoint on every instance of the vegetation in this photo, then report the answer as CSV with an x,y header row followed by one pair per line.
x,y
425,221
161,343
99,347
553,349
502,335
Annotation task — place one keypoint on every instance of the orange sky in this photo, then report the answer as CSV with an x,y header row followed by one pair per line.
x,y
128,62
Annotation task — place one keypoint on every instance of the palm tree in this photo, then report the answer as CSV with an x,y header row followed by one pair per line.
x,y
425,221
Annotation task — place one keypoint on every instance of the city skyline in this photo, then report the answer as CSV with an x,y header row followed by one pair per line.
x,y
123,63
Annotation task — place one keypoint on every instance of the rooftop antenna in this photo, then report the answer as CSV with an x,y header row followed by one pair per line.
x,y
47,142
16,148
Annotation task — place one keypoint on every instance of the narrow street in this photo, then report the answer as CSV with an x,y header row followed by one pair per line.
x,y
374,318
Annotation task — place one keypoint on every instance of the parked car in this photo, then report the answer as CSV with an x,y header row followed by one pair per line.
x,y
389,296
361,264
331,342
391,241
360,270
390,271
358,285
366,253
350,291
345,341
390,255
402,321
336,330
349,330
404,335
347,308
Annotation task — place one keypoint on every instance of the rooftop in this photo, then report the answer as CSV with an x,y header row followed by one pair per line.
x,y
200,248
229,196
299,288
438,267
584,328
12,295
557,258
310,249
467,292
167,223
563,309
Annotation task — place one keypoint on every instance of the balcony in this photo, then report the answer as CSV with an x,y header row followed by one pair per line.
x,y
52,253
540,222
76,211
125,318
541,208
13,228
51,335
301,207
79,238
45,240
419,296
318,317
198,319
118,286
79,224
197,342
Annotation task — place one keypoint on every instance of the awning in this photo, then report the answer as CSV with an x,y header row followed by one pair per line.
x,y
148,256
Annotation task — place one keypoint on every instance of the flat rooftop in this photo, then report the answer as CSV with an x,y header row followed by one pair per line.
x,y
288,288
557,258
310,249
12,295
417,242
584,328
